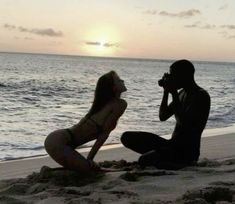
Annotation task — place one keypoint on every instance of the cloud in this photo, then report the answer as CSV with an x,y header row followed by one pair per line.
x,y
223,7
231,37
47,32
24,38
182,14
150,12
93,43
200,26
223,33
230,27
226,35
96,43
194,25
27,38
111,44
9,27
37,31
43,32
208,26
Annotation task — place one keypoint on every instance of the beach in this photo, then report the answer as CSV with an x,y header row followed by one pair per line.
x,y
212,180
81,74
32,103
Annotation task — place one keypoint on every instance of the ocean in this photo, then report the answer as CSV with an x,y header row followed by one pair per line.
x,y
41,93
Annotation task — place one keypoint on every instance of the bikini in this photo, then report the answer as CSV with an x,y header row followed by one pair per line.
x,y
72,141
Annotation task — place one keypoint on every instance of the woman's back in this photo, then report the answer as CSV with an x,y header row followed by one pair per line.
x,y
89,127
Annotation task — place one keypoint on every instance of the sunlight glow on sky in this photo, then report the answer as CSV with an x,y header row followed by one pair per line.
x,y
101,40
162,29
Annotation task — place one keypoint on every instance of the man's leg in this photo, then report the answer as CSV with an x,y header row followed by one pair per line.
x,y
142,142
164,158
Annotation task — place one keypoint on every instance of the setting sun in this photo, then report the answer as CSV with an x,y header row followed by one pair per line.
x,y
101,41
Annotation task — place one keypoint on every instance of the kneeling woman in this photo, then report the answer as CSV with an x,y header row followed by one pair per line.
x,y
101,119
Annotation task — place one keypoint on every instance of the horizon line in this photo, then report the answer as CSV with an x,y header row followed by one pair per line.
x,y
115,58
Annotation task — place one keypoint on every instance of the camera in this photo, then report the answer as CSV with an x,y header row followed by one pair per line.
x,y
164,80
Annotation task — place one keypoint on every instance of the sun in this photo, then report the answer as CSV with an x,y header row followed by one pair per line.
x,y
101,41
102,44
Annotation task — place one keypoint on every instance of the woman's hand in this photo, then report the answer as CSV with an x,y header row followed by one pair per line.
x,y
93,165
110,123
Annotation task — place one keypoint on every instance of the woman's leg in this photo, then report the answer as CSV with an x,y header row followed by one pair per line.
x,y
74,160
56,146
142,142
69,158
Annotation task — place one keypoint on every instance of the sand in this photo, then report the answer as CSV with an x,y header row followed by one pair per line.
x,y
212,180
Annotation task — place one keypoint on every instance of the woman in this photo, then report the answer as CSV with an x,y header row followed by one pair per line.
x,y
101,119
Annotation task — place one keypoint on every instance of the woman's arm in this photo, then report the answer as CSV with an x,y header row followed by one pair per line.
x,y
98,143
110,123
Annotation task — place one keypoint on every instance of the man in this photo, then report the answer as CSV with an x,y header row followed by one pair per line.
x,y
190,105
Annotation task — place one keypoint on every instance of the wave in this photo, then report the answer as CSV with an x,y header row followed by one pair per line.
x,y
230,113
81,148
225,119
30,148
21,147
2,85
31,98
32,90
25,157
233,81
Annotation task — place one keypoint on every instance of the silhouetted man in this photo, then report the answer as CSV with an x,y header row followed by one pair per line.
x,y
190,106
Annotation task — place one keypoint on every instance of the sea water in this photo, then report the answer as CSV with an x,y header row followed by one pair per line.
x,y
41,93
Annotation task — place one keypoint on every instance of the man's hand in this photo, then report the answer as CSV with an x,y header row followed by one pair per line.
x,y
170,87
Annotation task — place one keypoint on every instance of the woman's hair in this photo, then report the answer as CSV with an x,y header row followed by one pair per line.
x,y
104,93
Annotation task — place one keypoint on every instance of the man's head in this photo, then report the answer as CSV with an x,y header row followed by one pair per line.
x,y
182,72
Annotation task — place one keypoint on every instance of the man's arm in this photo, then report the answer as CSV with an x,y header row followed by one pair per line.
x,y
176,106
165,110
109,125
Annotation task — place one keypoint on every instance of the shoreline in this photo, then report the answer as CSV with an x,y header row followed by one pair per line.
x,y
206,133
214,147
81,150
38,180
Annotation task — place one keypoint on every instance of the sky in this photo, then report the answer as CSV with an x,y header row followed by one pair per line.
x,y
161,29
